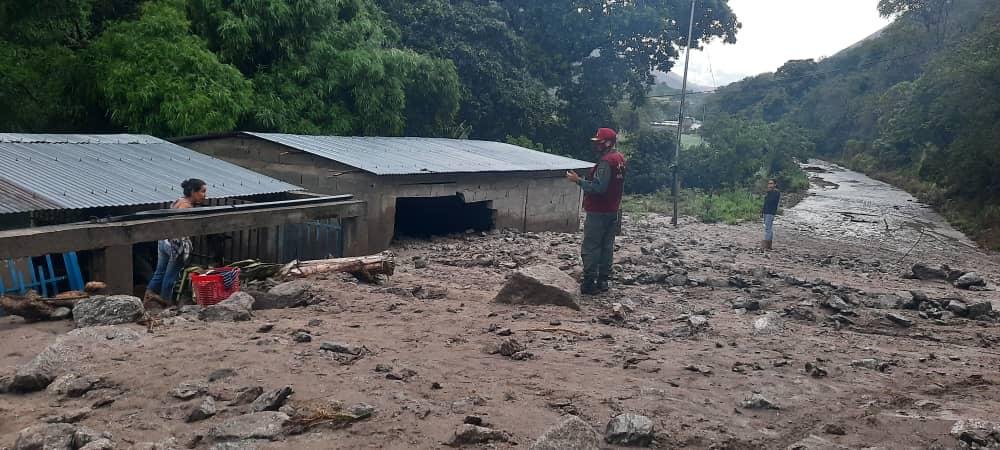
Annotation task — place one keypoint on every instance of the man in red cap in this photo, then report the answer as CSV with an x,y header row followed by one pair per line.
x,y
602,198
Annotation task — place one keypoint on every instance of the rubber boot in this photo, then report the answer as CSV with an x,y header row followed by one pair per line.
x,y
602,285
767,245
588,287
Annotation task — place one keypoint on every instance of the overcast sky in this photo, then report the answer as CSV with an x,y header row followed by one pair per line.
x,y
775,31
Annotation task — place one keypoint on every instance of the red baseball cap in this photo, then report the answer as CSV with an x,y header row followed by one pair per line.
x,y
605,134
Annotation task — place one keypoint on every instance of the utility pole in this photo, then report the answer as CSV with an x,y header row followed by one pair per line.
x,y
680,115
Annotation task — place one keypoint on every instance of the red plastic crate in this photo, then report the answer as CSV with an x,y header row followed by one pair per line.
x,y
209,289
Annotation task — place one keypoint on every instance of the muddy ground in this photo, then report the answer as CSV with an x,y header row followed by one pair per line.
x,y
436,321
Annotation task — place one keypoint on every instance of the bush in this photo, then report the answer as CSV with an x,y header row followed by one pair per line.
x,y
649,165
730,206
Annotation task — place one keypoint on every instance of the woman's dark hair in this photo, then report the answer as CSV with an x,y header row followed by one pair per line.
x,y
191,186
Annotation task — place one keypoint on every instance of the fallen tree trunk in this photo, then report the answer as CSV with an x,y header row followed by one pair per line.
x,y
380,264
32,310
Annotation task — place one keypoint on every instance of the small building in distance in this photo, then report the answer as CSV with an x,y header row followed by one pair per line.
x,y
416,186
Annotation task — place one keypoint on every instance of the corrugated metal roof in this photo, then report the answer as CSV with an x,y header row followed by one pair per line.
x,y
84,171
409,155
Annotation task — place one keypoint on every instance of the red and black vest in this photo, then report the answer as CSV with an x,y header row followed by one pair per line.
x,y
610,201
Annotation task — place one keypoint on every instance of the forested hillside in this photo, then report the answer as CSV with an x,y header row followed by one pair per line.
x,y
918,104
547,73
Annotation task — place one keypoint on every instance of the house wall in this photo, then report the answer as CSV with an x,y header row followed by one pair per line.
x,y
526,201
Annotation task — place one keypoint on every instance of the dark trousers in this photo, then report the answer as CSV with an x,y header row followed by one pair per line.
x,y
599,230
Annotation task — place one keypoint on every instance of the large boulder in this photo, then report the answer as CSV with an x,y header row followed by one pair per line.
x,y
237,308
630,430
261,425
62,355
572,433
979,309
969,280
922,271
51,436
539,285
292,294
113,310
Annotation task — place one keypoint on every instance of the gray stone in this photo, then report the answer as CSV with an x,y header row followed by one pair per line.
x,y
272,401
252,444
630,430
813,442
53,436
472,434
73,385
758,401
572,433
979,309
113,310
769,323
166,444
247,395
84,435
975,431
100,444
260,425
899,320
188,390
204,410
293,294
539,285
871,363
969,280
63,354
677,280
958,307
922,271
237,308
71,416
510,346
339,347
219,374
302,337
361,410
61,313
697,322
838,304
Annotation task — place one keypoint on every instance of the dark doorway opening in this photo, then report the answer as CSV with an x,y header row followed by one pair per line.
x,y
436,216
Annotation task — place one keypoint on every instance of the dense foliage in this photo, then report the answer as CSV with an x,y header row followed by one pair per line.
x,y
546,72
918,104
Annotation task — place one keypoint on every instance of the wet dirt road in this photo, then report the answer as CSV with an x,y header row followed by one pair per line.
x,y
848,205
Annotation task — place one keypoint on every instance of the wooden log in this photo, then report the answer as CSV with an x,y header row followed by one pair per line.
x,y
380,264
32,310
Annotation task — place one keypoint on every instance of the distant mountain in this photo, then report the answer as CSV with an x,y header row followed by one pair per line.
x,y
675,81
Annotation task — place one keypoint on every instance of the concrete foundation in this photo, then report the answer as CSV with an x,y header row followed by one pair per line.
x,y
526,201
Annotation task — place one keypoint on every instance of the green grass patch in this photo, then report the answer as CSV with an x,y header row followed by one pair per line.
x,y
691,140
728,206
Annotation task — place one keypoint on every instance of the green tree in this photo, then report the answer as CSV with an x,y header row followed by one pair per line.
x,y
157,78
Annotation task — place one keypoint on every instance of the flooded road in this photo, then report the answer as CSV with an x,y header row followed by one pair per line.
x,y
843,204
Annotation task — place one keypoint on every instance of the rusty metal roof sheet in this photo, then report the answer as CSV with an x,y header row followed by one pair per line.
x,y
410,155
45,171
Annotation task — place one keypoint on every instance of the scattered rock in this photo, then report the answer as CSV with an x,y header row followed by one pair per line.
x,y
61,313
813,442
980,309
958,307
677,280
247,396
259,425
922,271
189,390
219,374
508,347
871,363
315,322
272,401
539,285
266,328
237,308
100,444
61,356
361,411
969,280
302,337
981,433
204,410
834,429
769,323
71,416
113,310
55,436
73,386
747,304
899,320
472,434
758,401
838,304
293,294
697,322
572,433
816,371
630,430
339,347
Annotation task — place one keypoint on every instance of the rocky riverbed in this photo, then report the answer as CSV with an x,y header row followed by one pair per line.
x,y
704,342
